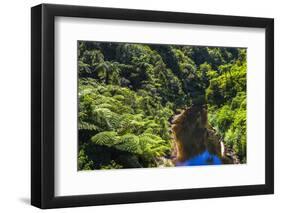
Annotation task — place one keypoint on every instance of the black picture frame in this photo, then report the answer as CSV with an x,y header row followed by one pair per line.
x,y
43,102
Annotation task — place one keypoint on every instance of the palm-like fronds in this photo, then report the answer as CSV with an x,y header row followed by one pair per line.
x,y
129,143
107,138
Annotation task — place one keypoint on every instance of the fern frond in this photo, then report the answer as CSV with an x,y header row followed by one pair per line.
x,y
129,143
106,138
87,126
105,117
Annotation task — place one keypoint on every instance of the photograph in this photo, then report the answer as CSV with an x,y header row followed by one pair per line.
x,y
146,105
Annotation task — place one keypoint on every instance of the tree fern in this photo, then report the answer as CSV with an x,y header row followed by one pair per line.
x,y
107,138
129,143
87,126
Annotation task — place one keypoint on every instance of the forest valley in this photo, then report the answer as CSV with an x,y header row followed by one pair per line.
x,y
150,105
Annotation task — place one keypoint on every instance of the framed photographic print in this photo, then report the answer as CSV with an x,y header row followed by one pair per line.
x,y
140,106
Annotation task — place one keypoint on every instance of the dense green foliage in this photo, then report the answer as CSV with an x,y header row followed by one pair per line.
x,y
227,98
128,94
